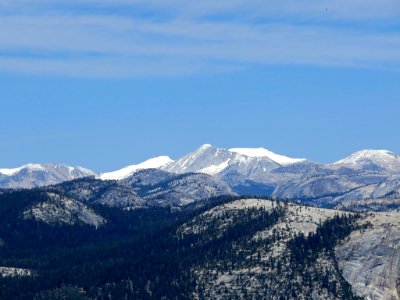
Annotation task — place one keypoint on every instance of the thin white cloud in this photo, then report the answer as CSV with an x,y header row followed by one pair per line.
x,y
352,10
68,42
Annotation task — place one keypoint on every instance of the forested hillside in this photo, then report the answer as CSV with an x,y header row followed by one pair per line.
x,y
222,248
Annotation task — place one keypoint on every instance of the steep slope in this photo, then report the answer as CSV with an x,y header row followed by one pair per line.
x,y
258,171
152,163
269,258
370,259
57,209
363,177
210,160
177,190
222,248
259,249
19,208
262,152
35,175
206,159
315,188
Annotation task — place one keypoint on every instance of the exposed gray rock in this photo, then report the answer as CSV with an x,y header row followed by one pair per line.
x,y
371,205
58,209
185,189
316,187
145,188
370,259
120,196
14,272
250,280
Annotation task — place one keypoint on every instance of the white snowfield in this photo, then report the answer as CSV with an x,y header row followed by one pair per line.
x,y
262,152
215,169
153,163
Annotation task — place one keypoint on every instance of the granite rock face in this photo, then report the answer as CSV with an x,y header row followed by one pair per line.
x,y
370,259
58,209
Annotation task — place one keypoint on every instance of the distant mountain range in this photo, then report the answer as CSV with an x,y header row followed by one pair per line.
x,y
35,175
200,227
370,175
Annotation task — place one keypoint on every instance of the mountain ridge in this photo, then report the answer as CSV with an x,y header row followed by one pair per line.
x,y
367,175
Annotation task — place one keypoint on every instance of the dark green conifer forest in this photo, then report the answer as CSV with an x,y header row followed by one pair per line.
x,y
143,254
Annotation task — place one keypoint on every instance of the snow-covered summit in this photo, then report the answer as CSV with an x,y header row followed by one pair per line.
x,y
206,146
215,161
48,168
262,152
383,155
206,159
13,171
34,175
153,163
383,159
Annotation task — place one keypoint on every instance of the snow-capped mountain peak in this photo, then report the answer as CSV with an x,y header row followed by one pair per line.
x,y
205,146
262,152
374,155
153,163
13,171
215,161
34,175
206,159
48,168
382,159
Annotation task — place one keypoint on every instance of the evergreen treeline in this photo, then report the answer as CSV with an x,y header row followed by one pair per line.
x,y
143,253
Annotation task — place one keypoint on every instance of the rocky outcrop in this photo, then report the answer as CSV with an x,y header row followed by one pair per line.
x,y
14,272
62,210
370,259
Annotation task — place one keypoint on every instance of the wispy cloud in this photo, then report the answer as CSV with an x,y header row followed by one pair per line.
x,y
171,38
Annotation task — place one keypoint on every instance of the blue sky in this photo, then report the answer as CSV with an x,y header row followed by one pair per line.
x,y
108,83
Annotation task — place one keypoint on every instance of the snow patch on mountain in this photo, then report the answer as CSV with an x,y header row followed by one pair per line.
x,y
215,169
153,163
262,152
